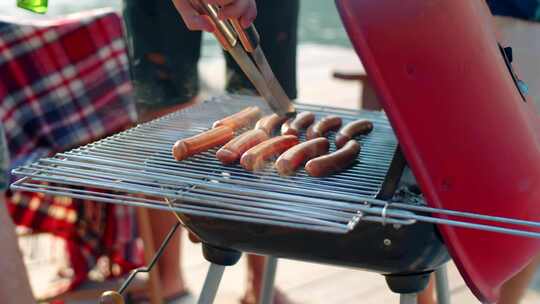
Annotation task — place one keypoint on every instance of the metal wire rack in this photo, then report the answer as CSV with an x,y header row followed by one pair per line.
x,y
136,168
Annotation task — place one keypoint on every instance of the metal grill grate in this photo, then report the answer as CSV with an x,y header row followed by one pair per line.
x,y
136,168
139,162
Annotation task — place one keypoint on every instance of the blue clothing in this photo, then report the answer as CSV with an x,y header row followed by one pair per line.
x,y
522,9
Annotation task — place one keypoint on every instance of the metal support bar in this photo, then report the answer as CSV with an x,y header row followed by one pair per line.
x,y
154,259
267,293
441,283
211,284
407,298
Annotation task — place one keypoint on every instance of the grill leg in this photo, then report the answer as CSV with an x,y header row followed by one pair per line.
x,y
441,281
211,284
267,293
407,298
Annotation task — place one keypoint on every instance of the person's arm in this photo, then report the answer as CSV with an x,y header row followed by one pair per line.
x,y
243,10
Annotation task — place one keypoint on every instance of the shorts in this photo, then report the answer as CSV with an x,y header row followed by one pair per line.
x,y
4,161
164,53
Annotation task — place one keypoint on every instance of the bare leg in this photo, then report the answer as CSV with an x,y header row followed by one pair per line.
x,y
172,280
14,285
513,290
252,295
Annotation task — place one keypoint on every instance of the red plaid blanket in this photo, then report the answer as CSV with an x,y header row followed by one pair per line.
x,y
64,83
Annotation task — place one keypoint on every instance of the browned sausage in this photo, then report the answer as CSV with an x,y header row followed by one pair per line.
x,y
204,141
289,161
255,157
334,162
357,127
301,121
269,123
323,126
232,151
245,118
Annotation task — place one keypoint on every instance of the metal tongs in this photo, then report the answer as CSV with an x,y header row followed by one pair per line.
x,y
250,57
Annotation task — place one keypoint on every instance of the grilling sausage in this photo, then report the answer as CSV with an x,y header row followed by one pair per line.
x,y
234,149
334,162
323,126
204,141
255,157
244,118
301,121
269,123
357,127
289,161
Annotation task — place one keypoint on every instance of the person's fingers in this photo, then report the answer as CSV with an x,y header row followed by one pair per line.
x,y
234,10
193,20
247,19
244,10
220,2
204,23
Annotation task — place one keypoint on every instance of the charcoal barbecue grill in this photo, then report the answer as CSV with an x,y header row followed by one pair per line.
x,y
348,219
359,217
228,207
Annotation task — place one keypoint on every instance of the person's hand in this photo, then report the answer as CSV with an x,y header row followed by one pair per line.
x,y
243,10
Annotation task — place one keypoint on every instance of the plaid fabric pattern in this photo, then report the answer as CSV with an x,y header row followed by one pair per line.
x,y
64,84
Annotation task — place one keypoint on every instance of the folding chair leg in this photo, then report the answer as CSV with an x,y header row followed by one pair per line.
x,y
211,284
441,283
407,298
267,293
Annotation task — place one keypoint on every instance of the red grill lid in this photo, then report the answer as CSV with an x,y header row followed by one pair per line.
x,y
468,135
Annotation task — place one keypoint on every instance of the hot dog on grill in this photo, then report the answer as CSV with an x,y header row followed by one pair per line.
x,y
244,118
301,121
323,126
357,127
334,162
254,158
293,158
204,141
269,123
233,150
